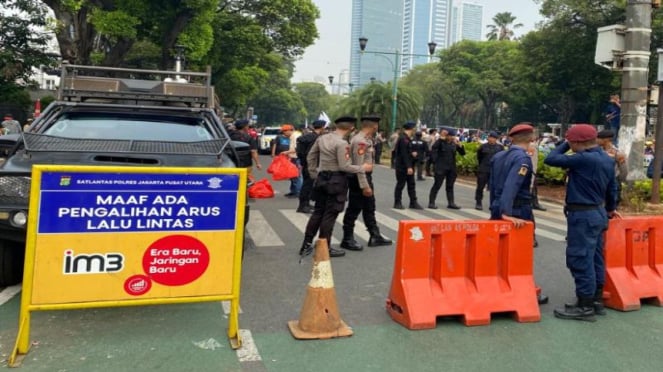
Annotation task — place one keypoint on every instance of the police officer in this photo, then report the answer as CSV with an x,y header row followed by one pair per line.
x,y
484,154
533,152
511,176
241,133
404,166
332,153
444,157
590,201
421,149
304,144
361,197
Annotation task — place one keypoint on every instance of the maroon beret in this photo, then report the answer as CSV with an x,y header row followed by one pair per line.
x,y
520,129
581,133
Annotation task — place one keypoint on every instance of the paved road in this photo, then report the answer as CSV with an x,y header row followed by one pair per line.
x,y
192,337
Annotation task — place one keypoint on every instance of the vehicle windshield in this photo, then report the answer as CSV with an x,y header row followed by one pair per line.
x,y
130,127
271,131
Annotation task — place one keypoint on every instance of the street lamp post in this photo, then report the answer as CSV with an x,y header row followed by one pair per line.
x,y
397,56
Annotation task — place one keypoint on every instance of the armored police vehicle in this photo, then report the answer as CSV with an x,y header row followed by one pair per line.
x,y
111,116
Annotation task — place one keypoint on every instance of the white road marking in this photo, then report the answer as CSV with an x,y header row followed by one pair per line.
x,y
226,307
300,220
360,229
261,231
384,220
249,351
9,293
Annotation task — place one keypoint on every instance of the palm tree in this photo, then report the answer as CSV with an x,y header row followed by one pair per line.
x,y
503,27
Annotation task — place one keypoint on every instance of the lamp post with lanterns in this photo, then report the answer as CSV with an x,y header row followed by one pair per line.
x,y
395,64
331,84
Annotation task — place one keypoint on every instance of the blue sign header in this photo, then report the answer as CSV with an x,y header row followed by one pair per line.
x,y
135,202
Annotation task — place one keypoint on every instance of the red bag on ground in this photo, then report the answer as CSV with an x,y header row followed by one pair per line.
x,y
282,168
261,189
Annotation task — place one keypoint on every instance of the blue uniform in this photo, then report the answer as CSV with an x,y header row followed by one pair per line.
x,y
590,193
510,179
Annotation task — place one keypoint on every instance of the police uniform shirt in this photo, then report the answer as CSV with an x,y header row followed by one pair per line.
x,y
403,152
333,154
361,152
486,153
241,136
510,180
591,176
444,155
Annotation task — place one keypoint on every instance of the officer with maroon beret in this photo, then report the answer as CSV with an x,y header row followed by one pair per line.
x,y
590,200
510,180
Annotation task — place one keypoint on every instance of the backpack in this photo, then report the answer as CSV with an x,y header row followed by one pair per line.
x,y
304,144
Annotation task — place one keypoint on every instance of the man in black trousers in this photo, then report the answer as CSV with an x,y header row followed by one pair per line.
x,y
404,166
484,154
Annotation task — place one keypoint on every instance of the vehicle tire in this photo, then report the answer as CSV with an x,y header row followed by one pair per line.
x,y
11,263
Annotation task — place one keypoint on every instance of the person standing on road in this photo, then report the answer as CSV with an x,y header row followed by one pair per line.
x,y
444,156
510,180
533,152
590,200
484,154
361,197
421,149
403,164
304,144
329,164
285,143
392,145
379,144
241,133
429,140
604,139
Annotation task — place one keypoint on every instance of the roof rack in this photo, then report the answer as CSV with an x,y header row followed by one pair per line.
x,y
113,84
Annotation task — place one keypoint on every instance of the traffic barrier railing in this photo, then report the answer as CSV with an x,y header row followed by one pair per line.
x,y
462,268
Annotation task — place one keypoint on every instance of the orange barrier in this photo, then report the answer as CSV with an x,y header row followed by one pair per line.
x,y
634,262
467,268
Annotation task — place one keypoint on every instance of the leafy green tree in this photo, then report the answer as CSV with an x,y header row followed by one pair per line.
x,y
315,98
503,27
276,102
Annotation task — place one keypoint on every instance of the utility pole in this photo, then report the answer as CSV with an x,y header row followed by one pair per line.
x,y
634,86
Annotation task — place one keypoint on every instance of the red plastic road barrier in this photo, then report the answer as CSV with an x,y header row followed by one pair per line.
x,y
634,262
466,268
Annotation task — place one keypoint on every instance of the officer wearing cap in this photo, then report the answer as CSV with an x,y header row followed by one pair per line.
x,y
361,198
404,166
443,153
484,154
241,133
604,139
304,144
590,201
329,164
509,184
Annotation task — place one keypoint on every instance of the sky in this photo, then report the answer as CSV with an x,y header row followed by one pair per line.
x,y
330,53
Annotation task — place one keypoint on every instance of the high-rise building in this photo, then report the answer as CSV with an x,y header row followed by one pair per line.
x,y
424,21
381,21
466,21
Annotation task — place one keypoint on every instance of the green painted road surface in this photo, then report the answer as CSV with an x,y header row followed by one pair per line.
x,y
191,337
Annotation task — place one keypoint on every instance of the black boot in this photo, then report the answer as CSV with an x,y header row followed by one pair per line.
x,y
333,252
415,205
450,199
581,310
432,205
306,249
304,208
478,206
377,239
599,308
349,241
431,200
398,205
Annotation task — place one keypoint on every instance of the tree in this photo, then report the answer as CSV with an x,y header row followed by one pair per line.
x,y
315,98
503,27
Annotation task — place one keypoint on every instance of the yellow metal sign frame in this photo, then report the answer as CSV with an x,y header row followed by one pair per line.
x,y
22,344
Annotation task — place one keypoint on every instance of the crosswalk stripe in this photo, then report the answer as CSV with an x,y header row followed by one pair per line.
x,y
383,219
261,231
300,220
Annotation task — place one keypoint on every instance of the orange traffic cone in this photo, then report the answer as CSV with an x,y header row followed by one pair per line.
x,y
319,317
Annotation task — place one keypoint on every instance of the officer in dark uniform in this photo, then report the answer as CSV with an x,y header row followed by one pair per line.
x,y
444,157
361,197
511,176
241,133
484,154
591,197
304,144
404,166
329,163
421,149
